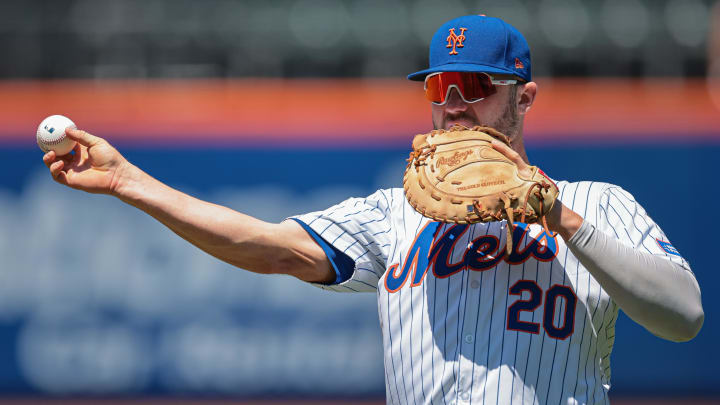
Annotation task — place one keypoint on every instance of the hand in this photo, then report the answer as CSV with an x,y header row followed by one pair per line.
x,y
524,169
560,219
95,167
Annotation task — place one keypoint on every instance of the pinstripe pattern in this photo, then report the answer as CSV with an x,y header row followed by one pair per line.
x,y
448,340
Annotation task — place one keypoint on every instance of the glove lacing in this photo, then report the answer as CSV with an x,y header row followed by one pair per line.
x,y
510,212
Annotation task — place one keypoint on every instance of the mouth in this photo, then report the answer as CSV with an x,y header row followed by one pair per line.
x,y
464,121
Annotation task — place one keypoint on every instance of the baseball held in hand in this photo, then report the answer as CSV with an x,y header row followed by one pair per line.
x,y
51,135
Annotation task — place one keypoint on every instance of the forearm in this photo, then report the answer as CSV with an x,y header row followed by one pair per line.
x,y
231,236
236,238
654,292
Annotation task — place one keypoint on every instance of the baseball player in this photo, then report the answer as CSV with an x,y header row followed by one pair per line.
x,y
463,319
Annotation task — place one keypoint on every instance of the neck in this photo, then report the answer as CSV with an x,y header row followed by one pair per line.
x,y
518,144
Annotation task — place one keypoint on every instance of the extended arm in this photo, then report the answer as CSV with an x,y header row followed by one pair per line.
x,y
236,238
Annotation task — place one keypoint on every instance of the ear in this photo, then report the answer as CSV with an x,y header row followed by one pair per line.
x,y
526,97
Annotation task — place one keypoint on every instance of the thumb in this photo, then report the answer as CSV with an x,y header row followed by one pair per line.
x,y
82,137
508,152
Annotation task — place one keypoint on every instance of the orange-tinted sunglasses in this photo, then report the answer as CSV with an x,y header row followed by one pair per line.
x,y
472,87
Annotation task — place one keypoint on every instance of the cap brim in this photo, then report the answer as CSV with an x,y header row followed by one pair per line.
x,y
459,67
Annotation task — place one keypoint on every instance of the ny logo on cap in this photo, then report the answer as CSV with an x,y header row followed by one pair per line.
x,y
454,40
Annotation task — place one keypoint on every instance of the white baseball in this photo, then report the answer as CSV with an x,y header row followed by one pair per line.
x,y
51,135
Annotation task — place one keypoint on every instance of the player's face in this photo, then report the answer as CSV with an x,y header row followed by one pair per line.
x,y
499,111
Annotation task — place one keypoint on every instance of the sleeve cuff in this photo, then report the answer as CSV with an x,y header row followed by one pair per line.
x,y
343,265
583,235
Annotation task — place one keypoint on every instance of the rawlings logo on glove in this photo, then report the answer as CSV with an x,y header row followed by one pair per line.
x,y
456,176
454,159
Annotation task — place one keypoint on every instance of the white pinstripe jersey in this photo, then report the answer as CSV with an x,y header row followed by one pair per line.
x,y
463,321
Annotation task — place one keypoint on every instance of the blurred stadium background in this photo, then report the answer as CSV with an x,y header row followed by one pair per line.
x,y
286,106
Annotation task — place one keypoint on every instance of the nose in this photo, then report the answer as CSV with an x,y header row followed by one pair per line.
x,y
455,103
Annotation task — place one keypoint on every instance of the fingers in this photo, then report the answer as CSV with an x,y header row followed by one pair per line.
x,y
62,178
82,137
77,155
509,153
49,158
57,164
56,167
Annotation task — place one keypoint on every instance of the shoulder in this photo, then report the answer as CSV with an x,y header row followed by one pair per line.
x,y
589,190
383,200
387,196
585,184
379,206
393,203
592,198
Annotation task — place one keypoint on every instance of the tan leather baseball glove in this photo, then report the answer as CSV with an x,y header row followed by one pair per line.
x,y
456,176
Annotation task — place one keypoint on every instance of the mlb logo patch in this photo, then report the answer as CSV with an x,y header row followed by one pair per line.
x,y
667,247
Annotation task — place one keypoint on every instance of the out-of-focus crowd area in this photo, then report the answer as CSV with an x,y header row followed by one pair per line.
x,y
342,38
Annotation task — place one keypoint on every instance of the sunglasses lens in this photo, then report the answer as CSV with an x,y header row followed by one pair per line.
x,y
473,86
433,91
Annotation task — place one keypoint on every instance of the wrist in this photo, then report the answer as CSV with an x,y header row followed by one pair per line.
x,y
126,182
563,220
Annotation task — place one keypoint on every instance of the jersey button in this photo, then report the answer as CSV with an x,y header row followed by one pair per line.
x,y
465,396
469,338
475,284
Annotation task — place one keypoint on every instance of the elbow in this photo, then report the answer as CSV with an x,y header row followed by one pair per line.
x,y
690,327
694,325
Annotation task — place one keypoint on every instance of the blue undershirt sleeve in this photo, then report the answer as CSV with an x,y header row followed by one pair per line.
x,y
343,265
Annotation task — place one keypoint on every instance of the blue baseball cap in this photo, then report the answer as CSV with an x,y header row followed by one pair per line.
x,y
476,43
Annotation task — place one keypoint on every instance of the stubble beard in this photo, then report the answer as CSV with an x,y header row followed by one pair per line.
x,y
508,123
